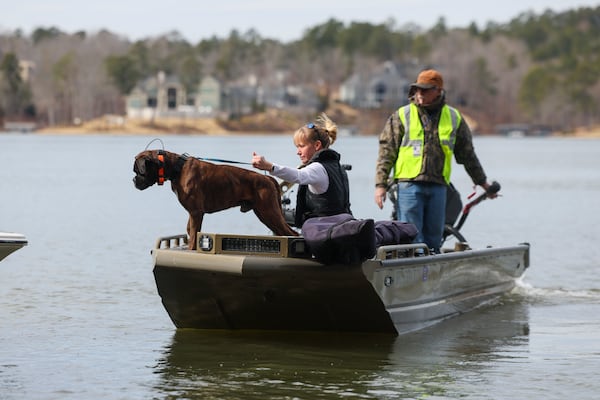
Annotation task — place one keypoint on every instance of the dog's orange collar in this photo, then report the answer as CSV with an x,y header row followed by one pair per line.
x,y
161,168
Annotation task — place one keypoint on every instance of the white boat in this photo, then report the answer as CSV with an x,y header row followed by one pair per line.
x,y
10,242
269,283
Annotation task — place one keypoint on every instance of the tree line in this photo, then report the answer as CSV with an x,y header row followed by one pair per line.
x,y
536,68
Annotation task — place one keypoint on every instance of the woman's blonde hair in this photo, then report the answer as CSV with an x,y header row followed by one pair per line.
x,y
323,130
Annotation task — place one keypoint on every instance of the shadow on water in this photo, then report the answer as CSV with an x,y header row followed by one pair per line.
x,y
286,365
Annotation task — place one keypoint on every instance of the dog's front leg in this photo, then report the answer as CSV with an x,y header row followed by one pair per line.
x,y
193,227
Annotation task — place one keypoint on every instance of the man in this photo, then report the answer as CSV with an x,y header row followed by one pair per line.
x,y
418,142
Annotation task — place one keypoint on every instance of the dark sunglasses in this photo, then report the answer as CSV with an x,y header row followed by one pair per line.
x,y
310,125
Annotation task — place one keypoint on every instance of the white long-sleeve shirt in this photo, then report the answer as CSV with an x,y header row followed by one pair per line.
x,y
314,175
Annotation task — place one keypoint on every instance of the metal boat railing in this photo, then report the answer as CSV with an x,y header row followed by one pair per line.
x,y
174,241
401,251
387,252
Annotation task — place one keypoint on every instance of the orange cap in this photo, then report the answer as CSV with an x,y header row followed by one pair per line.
x,y
428,79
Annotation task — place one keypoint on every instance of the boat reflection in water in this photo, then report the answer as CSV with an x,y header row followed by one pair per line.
x,y
266,364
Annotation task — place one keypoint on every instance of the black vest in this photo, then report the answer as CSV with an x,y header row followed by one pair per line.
x,y
336,200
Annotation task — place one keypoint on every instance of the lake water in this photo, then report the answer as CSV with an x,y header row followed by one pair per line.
x,y
80,317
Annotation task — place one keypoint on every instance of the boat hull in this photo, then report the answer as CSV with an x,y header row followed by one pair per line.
x,y
386,295
419,292
10,242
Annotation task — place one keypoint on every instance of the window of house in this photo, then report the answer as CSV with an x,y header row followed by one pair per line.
x,y
380,92
171,98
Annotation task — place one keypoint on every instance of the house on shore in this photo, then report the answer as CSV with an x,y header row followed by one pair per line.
x,y
387,84
163,96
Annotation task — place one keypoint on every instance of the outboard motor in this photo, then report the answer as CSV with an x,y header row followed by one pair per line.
x,y
289,210
453,205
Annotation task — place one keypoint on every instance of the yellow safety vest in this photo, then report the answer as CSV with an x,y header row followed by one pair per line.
x,y
410,155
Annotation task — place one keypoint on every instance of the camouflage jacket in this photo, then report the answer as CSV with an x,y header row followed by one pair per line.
x,y
433,155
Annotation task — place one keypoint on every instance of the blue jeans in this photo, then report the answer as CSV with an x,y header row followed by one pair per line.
x,y
424,205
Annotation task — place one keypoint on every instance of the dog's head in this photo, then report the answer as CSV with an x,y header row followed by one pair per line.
x,y
149,168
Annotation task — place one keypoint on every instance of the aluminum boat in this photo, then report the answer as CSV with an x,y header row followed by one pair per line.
x,y
245,282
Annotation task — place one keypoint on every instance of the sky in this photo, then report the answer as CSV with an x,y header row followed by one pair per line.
x,y
283,20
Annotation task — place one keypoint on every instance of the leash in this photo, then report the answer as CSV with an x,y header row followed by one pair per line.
x,y
186,155
218,160
155,140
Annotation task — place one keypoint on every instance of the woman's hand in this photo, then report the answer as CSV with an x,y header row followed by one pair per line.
x,y
259,162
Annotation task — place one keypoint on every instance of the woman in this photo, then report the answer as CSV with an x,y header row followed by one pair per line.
x,y
324,188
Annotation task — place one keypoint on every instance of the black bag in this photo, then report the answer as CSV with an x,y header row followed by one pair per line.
x,y
340,238
394,232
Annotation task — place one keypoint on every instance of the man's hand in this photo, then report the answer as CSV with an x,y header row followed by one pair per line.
x,y
490,195
380,195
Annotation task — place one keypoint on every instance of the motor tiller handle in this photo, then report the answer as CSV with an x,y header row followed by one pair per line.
x,y
493,189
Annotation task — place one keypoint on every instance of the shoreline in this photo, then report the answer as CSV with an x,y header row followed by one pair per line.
x,y
114,124
65,131
274,125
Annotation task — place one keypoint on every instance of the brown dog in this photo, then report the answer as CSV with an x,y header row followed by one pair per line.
x,y
202,188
